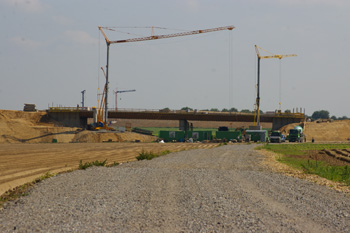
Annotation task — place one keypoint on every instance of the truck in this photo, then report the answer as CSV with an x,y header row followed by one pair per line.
x,y
296,134
276,136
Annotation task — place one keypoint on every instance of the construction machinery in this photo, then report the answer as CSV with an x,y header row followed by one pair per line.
x,y
152,37
99,113
276,136
116,96
296,134
257,105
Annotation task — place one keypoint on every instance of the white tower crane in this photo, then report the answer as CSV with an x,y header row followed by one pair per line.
x,y
152,37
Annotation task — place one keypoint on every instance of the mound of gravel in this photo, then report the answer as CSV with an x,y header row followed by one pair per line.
x,y
218,190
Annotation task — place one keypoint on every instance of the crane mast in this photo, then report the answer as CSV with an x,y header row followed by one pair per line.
x,y
153,37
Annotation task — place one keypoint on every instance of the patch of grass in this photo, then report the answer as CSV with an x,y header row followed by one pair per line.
x,y
311,166
22,190
85,165
301,148
148,155
114,164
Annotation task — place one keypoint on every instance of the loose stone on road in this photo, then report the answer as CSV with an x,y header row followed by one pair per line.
x,y
224,189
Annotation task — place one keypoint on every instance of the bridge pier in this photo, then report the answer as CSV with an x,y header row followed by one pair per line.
x,y
279,122
184,125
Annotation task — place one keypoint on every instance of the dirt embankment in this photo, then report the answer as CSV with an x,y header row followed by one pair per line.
x,y
35,127
336,131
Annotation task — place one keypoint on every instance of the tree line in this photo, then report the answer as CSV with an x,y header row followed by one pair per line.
x,y
324,114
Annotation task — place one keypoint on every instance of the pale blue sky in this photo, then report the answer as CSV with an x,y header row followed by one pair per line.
x,y
52,50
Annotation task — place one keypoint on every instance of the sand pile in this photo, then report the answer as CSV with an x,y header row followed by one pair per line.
x,y
93,136
34,127
30,127
336,131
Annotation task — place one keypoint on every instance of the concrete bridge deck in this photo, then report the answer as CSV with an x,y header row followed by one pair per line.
x,y
77,117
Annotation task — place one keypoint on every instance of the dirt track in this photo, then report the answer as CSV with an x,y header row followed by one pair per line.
x,y
21,163
223,189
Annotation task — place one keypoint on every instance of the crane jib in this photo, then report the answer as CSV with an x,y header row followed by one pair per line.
x,y
155,37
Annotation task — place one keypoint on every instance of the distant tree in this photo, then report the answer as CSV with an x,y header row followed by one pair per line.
x,y
187,108
224,110
245,111
343,118
205,110
288,111
165,109
322,114
214,110
333,117
233,110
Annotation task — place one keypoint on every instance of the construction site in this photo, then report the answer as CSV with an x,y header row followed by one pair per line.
x,y
61,136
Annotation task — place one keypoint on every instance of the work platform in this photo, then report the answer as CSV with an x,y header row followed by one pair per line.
x,y
77,117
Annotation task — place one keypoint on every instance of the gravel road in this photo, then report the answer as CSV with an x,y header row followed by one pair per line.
x,y
215,190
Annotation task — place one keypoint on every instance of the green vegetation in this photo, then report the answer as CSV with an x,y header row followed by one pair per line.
x,y
299,156
301,149
323,114
22,190
151,155
83,166
114,164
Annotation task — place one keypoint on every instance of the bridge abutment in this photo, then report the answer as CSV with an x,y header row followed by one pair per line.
x,y
69,119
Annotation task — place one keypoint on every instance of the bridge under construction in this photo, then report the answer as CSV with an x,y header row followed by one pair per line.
x,y
78,117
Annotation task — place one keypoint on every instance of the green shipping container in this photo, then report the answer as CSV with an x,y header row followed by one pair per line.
x,y
170,136
228,135
200,135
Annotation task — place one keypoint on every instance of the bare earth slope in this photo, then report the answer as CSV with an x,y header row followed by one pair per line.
x,y
337,131
33,127
217,190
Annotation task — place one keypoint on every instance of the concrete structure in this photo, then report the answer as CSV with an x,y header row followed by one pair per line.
x,y
68,117
77,117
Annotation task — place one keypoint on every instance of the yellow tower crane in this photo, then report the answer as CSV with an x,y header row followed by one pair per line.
x,y
152,37
257,105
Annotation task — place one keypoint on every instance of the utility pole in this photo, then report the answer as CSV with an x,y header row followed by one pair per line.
x,y
82,98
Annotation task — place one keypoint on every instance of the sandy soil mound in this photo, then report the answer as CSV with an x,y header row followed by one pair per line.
x,y
34,127
337,131
92,136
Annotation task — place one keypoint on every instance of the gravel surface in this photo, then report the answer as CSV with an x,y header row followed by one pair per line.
x,y
216,190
